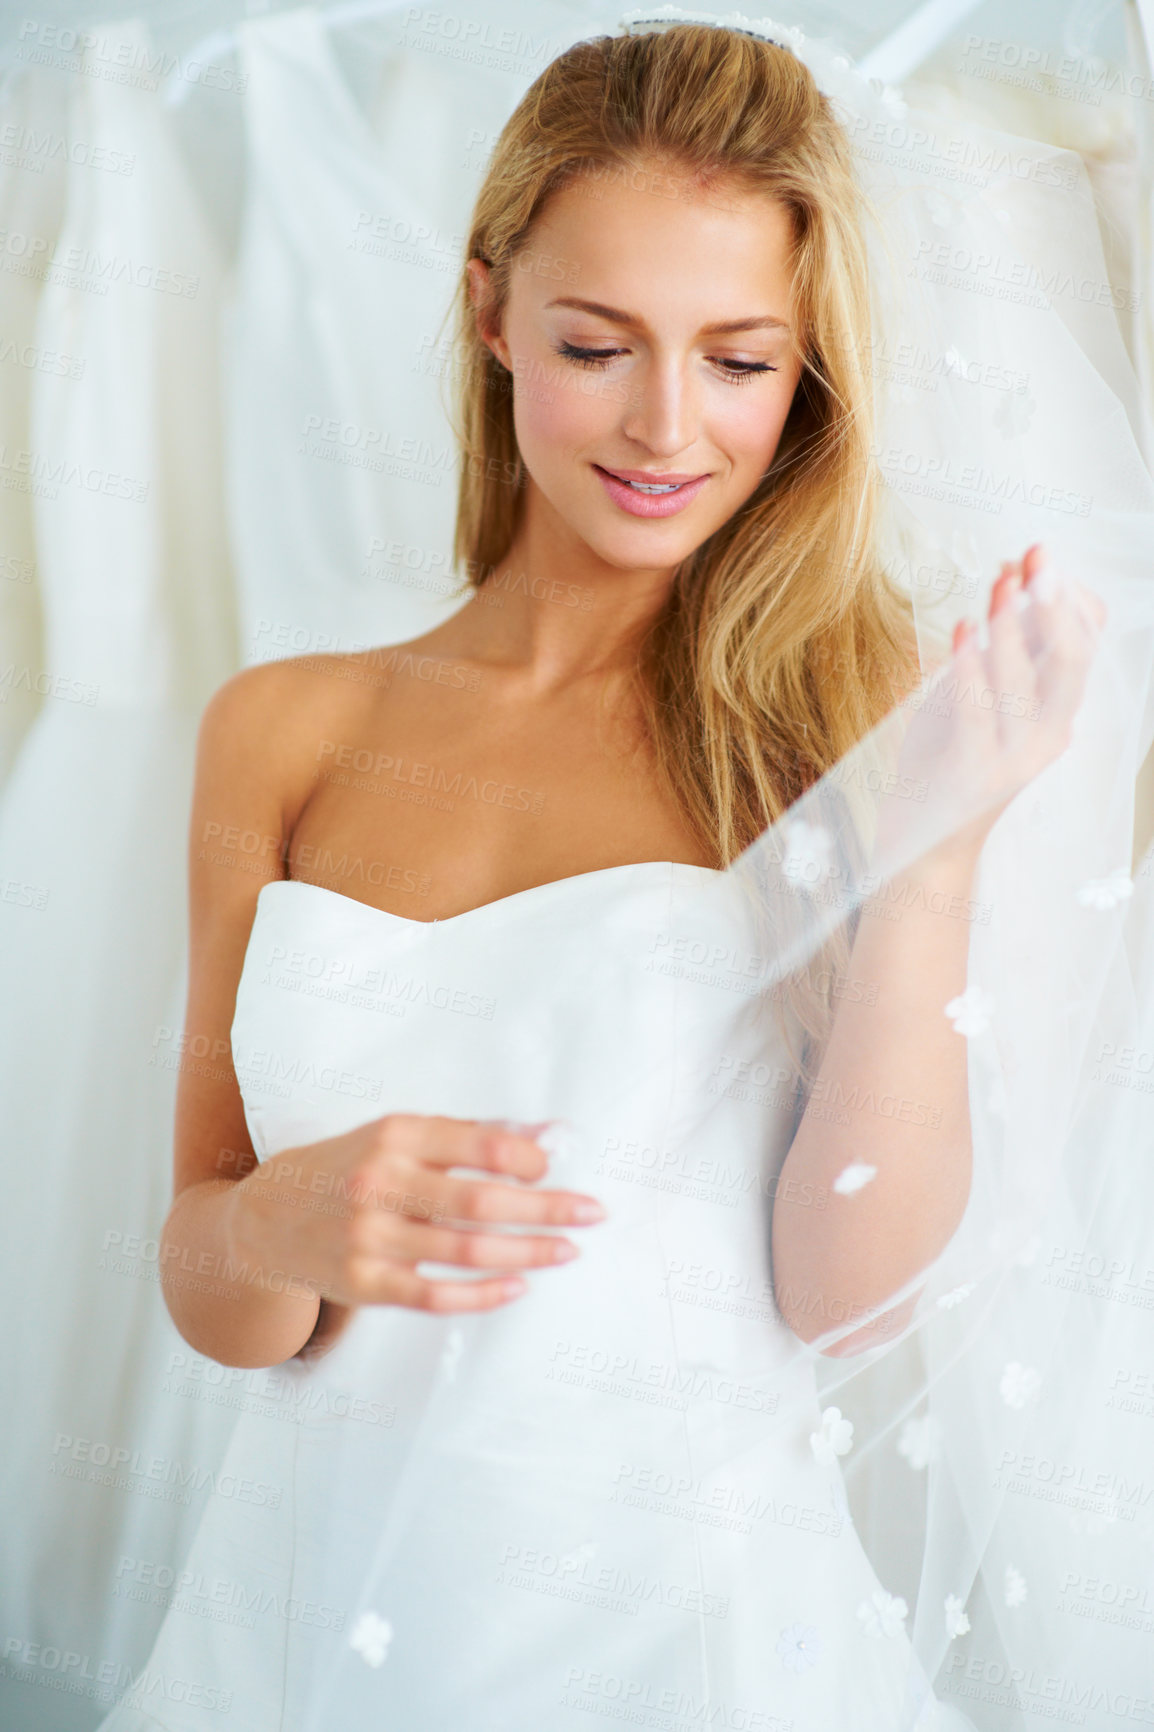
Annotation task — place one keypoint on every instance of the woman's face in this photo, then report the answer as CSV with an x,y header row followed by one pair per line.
x,y
620,367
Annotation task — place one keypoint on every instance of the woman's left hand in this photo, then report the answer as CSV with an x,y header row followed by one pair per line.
x,y
1008,698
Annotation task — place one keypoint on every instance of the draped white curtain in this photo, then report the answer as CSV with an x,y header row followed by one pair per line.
x,y
222,441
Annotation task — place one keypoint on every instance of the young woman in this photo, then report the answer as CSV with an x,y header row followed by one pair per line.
x,y
541,1443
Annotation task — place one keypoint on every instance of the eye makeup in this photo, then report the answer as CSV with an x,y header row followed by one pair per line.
x,y
737,372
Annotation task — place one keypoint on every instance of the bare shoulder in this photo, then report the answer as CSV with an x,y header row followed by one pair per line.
x,y
267,728
262,730
265,707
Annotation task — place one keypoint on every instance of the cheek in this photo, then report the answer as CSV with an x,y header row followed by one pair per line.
x,y
754,427
556,408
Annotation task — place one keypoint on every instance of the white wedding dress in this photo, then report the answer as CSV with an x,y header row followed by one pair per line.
x,y
608,1498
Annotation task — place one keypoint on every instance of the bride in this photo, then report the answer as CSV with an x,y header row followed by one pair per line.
x,y
500,1160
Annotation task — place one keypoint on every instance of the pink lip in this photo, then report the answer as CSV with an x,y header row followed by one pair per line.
x,y
650,477
650,504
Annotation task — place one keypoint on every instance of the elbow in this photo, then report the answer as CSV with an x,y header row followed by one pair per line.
x,y
805,1314
829,1343
225,1341
832,1325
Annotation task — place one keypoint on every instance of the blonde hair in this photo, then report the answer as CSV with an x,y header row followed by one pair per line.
x,y
782,642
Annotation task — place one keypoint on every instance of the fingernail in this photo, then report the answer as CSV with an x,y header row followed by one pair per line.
x,y
1021,600
518,1128
564,1252
512,1289
1007,594
558,1137
588,1212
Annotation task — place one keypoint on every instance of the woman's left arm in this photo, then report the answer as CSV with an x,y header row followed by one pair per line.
x,y
896,1069
892,1092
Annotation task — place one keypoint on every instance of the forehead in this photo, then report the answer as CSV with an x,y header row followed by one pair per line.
x,y
720,245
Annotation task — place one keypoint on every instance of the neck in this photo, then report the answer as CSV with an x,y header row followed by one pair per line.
x,y
554,610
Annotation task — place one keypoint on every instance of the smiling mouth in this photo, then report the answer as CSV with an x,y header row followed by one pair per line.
x,y
670,485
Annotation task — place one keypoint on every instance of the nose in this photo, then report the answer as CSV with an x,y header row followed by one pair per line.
x,y
662,408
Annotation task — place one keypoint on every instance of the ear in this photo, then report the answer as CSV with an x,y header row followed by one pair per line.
x,y
481,295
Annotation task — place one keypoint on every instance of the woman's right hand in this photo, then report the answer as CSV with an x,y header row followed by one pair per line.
x,y
349,1218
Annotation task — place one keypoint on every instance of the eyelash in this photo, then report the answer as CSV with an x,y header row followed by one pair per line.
x,y
602,357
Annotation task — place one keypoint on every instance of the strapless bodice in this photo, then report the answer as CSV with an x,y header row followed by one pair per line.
x,y
545,1004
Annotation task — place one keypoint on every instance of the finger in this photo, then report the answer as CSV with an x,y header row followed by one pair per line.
x,y
1072,601
1007,583
1094,602
394,1284
967,660
1003,589
417,1242
464,1295
968,776
1068,637
477,1200
1034,560
1040,589
1065,665
492,1146
1011,675
400,1141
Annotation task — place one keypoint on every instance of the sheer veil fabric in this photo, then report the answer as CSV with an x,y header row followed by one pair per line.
x,y
635,1494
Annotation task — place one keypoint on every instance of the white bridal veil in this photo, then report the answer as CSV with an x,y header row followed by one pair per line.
x,y
993,1451
1010,1427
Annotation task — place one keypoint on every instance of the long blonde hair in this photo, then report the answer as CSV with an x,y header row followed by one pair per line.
x,y
782,641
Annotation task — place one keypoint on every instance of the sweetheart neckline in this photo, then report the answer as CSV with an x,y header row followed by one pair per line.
x,y
498,901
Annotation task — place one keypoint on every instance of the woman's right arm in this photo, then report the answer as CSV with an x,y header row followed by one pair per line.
x,y
250,1252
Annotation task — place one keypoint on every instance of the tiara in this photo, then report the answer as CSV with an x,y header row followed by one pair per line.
x,y
667,17
834,74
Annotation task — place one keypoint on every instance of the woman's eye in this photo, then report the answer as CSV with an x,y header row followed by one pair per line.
x,y
746,369
586,357
736,371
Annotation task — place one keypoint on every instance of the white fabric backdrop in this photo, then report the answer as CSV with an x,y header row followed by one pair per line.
x,y
209,457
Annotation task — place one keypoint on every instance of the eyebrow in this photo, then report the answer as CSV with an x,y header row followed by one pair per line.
x,y
725,328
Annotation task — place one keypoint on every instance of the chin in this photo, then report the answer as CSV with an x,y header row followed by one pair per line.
x,y
641,551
